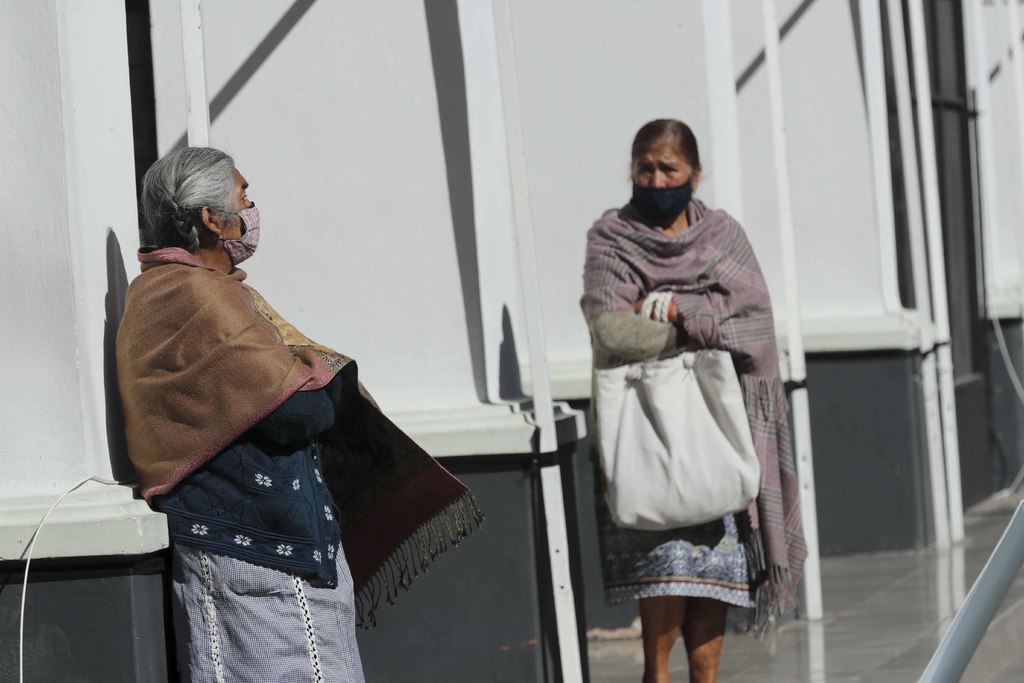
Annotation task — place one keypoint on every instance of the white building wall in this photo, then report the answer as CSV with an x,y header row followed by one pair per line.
x,y
1005,245
618,66
847,269
578,121
341,128
339,135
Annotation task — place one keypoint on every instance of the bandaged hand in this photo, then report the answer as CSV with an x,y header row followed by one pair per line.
x,y
658,306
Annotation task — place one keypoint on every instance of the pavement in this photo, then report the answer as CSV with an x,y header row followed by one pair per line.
x,y
885,614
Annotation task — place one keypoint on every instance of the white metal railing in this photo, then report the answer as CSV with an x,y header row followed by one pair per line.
x,y
970,623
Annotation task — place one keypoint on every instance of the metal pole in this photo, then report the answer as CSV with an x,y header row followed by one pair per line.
x,y
969,625
919,259
543,405
197,108
936,256
797,368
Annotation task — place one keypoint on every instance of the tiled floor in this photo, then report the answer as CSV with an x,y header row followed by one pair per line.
x,y
884,616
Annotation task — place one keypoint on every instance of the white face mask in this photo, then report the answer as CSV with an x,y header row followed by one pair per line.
x,y
245,246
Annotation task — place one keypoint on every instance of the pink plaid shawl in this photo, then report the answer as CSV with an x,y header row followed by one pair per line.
x,y
723,303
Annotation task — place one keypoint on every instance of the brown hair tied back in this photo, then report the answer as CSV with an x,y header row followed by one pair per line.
x,y
671,131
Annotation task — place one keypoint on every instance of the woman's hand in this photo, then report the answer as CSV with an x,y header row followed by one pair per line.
x,y
673,310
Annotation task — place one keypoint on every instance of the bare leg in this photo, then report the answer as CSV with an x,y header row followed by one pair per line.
x,y
661,619
703,634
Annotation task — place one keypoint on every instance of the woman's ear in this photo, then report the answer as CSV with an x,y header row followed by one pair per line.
x,y
211,221
694,180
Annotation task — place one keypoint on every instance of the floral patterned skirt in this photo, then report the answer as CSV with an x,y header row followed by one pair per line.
x,y
704,561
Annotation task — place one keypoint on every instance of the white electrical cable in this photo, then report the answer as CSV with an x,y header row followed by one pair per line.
x,y
28,561
1017,387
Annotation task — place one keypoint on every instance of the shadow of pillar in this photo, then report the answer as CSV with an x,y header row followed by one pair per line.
x,y
450,84
117,286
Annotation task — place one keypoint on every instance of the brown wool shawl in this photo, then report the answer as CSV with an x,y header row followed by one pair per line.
x,y
202,357
723,303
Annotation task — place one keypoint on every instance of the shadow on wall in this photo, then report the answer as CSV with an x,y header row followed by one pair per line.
x,y
117,286
510,384
787,26
450,83
253,62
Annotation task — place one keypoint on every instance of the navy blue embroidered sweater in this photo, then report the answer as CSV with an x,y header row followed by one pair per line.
x,y
263,498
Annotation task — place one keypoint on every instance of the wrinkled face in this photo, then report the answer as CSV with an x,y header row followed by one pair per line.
x,y
661,166
230,224
240,197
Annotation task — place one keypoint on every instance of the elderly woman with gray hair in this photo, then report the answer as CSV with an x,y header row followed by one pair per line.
x,y
293,503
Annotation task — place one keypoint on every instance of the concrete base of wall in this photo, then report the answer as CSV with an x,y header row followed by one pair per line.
x,y
870,452
88,619
485,612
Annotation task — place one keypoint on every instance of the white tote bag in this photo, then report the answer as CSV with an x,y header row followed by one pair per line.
x,y
674,441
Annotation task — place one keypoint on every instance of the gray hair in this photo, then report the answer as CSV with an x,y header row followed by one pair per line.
x,y
174,191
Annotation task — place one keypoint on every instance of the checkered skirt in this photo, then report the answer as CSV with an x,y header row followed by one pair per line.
x,y
236,621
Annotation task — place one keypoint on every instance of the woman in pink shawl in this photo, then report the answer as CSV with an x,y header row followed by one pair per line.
x,y
665,240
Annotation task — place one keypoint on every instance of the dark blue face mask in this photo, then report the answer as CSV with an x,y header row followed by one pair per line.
x,y
660,204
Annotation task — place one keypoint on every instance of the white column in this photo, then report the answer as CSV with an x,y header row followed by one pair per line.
x,y
492,199
797,368
197,102
1013,25
496,130
919,261
936,256
977,78
721,93
75,205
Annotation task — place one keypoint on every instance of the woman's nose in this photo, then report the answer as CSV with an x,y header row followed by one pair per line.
x,y
659,180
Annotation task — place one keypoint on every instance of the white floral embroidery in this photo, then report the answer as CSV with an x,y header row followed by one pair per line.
x,y
316,555
243,540
330,552
285,550
296,484
200,529
263,479
328,513
318,477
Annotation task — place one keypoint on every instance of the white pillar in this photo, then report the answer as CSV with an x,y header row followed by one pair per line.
x,y
70,192
936,256
493,212
197,102
721,93
922,294
977,79
797,368
499,170
1013,25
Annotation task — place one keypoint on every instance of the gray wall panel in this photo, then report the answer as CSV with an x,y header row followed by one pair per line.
x,y
477,614
870,459
1007,413
88,621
